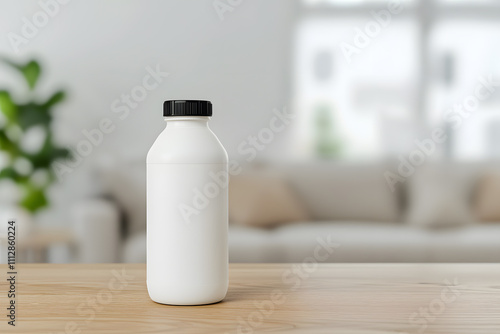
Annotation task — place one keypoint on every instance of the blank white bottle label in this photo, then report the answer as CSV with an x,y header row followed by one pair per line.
x,y
187,232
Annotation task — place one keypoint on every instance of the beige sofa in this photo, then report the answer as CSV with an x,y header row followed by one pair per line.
x,y
350,203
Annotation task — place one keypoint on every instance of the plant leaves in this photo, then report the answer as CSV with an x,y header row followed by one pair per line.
x,y
55,99
31,72
9,173
11,63
7,106
7,145
34,199
48,154
59,153
32,114
25,116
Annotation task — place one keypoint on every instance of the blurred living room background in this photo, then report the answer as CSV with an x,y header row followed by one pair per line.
x,y
372,124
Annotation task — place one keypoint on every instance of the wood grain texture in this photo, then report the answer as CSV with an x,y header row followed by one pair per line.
x,y
278,298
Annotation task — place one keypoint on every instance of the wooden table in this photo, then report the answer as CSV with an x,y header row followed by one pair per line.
x,y
326,298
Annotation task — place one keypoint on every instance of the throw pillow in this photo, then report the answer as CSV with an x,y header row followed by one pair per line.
x,y
438,198
487,201
262,200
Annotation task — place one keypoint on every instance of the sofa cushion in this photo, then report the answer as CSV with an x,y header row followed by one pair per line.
x,y
487,201
250,244
353,242
439,197
366,242
263,200
334,191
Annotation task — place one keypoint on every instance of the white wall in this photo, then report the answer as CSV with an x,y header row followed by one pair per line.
x,y
98,50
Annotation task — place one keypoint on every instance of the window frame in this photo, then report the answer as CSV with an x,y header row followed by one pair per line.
x,y
426,13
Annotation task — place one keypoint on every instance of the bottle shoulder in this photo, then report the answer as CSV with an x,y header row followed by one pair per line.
x,y
187,145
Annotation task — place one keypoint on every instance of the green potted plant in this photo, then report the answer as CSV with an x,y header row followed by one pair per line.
x,y
327,145
27,144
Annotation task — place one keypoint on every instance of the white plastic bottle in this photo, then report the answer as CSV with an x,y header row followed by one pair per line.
x,y
187,203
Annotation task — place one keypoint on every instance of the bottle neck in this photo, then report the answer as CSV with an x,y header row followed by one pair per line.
x,y
187,121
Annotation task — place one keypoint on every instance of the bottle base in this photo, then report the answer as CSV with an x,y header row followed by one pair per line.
x,y
187,297
163,302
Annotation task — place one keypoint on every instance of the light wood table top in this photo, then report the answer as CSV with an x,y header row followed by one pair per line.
x,y
327,298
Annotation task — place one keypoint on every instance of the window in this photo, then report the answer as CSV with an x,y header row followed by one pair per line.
x,y
463,52
373,100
